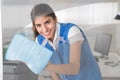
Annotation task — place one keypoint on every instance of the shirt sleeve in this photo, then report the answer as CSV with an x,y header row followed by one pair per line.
x,y
74,35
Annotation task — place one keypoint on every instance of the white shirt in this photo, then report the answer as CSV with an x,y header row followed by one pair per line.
x,y
74,35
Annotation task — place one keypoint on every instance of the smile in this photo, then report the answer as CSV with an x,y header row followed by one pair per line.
x,y
47,33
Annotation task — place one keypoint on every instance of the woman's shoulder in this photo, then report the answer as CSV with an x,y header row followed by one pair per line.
x,y
70,28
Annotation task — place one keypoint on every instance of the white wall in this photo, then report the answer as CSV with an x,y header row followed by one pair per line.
x,y
15,16
90,14
13,19
118,28
19,15
1,72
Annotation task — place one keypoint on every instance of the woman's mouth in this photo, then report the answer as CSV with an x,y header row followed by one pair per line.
x,y
46,33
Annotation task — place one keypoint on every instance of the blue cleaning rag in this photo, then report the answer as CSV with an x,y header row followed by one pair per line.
x,y
34,55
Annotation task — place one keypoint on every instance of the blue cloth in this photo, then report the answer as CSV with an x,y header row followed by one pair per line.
x,y
89,69
35,56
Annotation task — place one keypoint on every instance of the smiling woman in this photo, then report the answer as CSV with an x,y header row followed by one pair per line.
x,y
72,58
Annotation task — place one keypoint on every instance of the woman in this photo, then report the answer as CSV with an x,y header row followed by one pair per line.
x,y
72,58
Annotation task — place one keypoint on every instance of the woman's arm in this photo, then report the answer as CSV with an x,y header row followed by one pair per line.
x,y
74,61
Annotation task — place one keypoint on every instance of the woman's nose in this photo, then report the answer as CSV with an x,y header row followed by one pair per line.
x,y
44,28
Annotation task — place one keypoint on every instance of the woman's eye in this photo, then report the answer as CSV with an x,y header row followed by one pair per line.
x,y
47,22
38,25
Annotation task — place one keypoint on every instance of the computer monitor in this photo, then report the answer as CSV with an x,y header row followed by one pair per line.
x,y
102,44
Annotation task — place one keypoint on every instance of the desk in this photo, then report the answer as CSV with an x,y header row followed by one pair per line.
x,y
109,72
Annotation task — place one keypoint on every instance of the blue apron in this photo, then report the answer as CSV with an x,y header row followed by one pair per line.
x,y
89,69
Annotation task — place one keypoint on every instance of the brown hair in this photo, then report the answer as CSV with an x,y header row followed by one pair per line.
x,y
40,10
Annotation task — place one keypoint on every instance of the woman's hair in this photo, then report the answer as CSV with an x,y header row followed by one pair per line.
x,y
41,10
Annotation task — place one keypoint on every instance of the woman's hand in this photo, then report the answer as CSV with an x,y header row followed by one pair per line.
x,y
55,76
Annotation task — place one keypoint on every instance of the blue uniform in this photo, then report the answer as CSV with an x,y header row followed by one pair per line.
x,y
89,69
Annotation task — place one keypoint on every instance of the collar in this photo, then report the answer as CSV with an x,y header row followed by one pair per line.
x,y
57,32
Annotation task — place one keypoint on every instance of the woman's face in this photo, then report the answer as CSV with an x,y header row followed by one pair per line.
x,y
46,26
